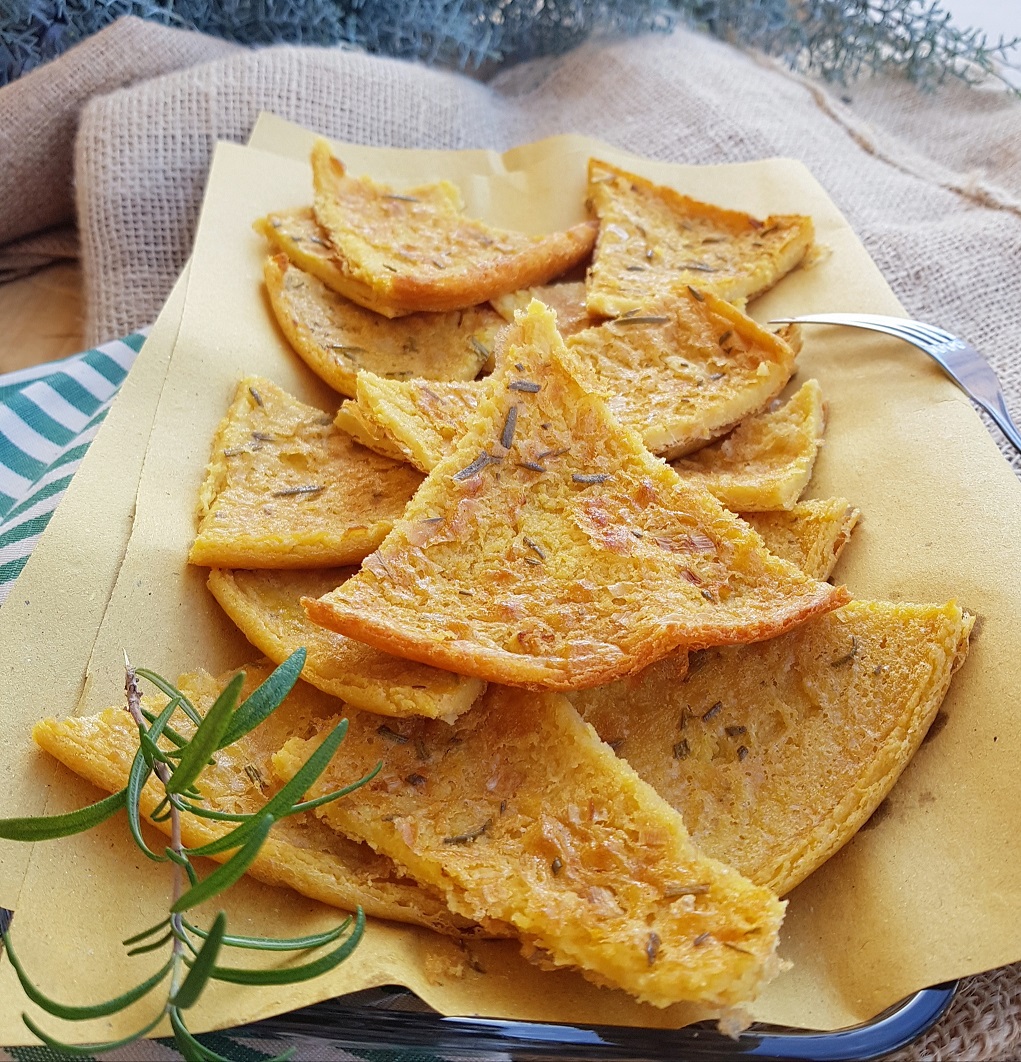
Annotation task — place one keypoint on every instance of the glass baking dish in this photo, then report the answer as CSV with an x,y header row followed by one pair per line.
x,y
372,1020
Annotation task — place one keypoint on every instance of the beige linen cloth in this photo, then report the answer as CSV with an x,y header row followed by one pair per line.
x,y
930,183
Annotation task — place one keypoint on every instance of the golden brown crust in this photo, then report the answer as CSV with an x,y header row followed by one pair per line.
x,y
652,237
298,235
552,550
520,814
299,853
765,463
810,536
398,254
775,754
285,489
337,338
266,606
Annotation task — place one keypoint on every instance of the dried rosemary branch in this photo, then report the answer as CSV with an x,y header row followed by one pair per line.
x,y
836,38
176,764
840,39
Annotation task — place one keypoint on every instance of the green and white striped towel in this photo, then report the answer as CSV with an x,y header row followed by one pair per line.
x,y
48,416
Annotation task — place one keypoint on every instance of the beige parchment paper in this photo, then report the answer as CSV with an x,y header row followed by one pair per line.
x,y
926,893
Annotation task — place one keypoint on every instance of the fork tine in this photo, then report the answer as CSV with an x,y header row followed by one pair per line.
x,y
924,333
932,334
915,332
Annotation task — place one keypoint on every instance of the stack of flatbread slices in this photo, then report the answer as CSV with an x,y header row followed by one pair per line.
x,y
548,555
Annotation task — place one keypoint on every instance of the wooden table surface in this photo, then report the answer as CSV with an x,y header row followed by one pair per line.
x,y
41,317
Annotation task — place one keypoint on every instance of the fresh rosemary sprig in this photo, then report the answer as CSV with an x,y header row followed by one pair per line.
x,y
176,763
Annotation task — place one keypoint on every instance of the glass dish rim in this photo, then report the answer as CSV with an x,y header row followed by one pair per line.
x,y
343,1022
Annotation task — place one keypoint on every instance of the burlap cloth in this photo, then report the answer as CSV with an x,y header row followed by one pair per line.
x,y
931,184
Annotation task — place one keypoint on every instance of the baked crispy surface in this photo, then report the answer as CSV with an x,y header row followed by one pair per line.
x,y
810,535
765,463
285,489
300,852
337,338
775,754
552,550
266,606
652,237
401,253
685,369
520,814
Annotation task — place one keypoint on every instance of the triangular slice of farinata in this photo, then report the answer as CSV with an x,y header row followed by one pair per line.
x,y
551,549
765,463
301,852
520,815
810,536
651,237
337,338
776,753
398,253
266,606
297,234
285,489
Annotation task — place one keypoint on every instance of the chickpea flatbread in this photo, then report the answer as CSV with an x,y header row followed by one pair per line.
x,y
651,237
297,234
776,753
680,375
266,606
300,852
337,338
566,300
684,369
552,550
399,253
520,814
351,418
420,419
285,489
765,463
370,433
811,535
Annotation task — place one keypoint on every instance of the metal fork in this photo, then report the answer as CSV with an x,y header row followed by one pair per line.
x,y
959,360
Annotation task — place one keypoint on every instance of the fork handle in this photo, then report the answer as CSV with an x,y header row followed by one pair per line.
x,y
997,409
